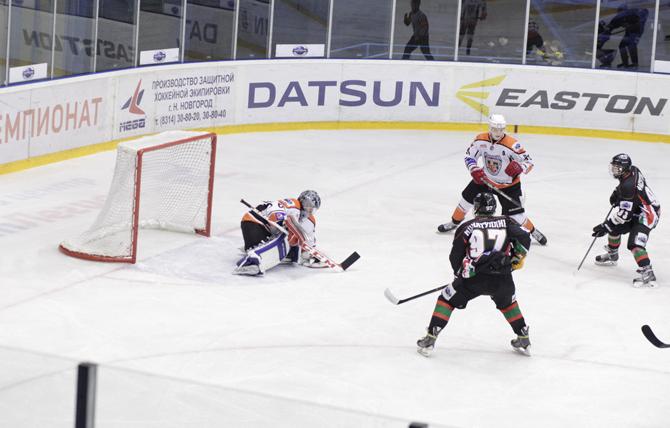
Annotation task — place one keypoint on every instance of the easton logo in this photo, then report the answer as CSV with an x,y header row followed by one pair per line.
x,y
474,95
132,104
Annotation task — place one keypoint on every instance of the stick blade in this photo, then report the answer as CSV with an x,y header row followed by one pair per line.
x,y
391,298
350,260
646,330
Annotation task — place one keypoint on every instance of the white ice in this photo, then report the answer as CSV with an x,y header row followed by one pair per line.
x,y
298,336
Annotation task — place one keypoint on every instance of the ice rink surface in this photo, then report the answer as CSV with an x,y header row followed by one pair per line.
x,y
317,336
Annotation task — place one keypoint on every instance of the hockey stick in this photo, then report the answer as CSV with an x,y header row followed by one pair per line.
x,y
592,242
344,265
646,330
490,185
393,299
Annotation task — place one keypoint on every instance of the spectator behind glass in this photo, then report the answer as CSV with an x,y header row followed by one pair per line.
x,y
472,11
632,21
419,38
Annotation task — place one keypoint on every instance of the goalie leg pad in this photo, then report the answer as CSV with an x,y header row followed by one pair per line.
x,y
262,257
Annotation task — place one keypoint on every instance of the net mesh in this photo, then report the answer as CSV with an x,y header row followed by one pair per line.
x,y
174,193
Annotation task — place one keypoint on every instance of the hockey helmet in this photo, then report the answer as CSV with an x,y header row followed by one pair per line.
x,y
497,126
620,165
309,201
485,204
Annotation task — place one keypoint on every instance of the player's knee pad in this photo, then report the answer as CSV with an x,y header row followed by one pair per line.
x,y
638,240
520,218
464,205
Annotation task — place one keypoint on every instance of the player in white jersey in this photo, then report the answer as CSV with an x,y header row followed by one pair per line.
x,y
266,247
496,160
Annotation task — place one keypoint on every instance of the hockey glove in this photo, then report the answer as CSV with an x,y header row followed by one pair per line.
x,y
517,262
478,175
513,169
601,230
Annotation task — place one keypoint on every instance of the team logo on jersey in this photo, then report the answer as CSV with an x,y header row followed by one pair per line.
x,y
475,98
493,163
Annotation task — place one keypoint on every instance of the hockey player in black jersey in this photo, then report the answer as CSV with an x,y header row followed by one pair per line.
x,y
484,253
636,212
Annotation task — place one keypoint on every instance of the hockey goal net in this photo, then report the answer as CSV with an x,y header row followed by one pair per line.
x,y
164,181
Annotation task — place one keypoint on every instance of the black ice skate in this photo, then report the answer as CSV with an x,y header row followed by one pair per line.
x,y
427,343
608,259
522,342
539,236
447,227
646,278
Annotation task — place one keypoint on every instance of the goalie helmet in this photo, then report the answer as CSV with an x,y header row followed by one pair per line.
x,y
620,165
309,201
485,204
497,126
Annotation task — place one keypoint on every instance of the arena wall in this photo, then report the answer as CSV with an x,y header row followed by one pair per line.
x,y
49,121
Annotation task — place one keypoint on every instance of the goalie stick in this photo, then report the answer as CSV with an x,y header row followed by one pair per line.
x,y
393,299
344,265
646,330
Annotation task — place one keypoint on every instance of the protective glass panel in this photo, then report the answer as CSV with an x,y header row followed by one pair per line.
x,y
36,390
130,399
663,36
74,37
252,32
361,31
300,22
160,25
209,30
4,13
31,33
491,31
425,29
560,32
116,34
625,34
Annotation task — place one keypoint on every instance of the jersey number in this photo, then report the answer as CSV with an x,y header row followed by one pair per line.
x,y
483,240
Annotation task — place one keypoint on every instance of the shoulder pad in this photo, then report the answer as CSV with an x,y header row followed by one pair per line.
x,y
483,137
512,143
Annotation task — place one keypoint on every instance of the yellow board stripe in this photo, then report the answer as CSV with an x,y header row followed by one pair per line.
x,y
298,126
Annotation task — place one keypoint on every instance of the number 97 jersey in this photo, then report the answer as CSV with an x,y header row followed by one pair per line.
x,y
483,240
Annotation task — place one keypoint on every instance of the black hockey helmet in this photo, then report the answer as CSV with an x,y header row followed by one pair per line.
x,y
309,200
620,165
485,204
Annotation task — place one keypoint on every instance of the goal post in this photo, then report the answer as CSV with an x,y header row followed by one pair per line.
x,y
164,181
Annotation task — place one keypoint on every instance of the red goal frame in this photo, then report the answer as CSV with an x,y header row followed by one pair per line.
x,y
137,196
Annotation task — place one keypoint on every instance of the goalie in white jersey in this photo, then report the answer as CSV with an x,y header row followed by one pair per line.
x,y
503,160
266,246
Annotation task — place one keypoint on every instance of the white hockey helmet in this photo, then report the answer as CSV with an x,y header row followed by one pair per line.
x,y
309,201
497,126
